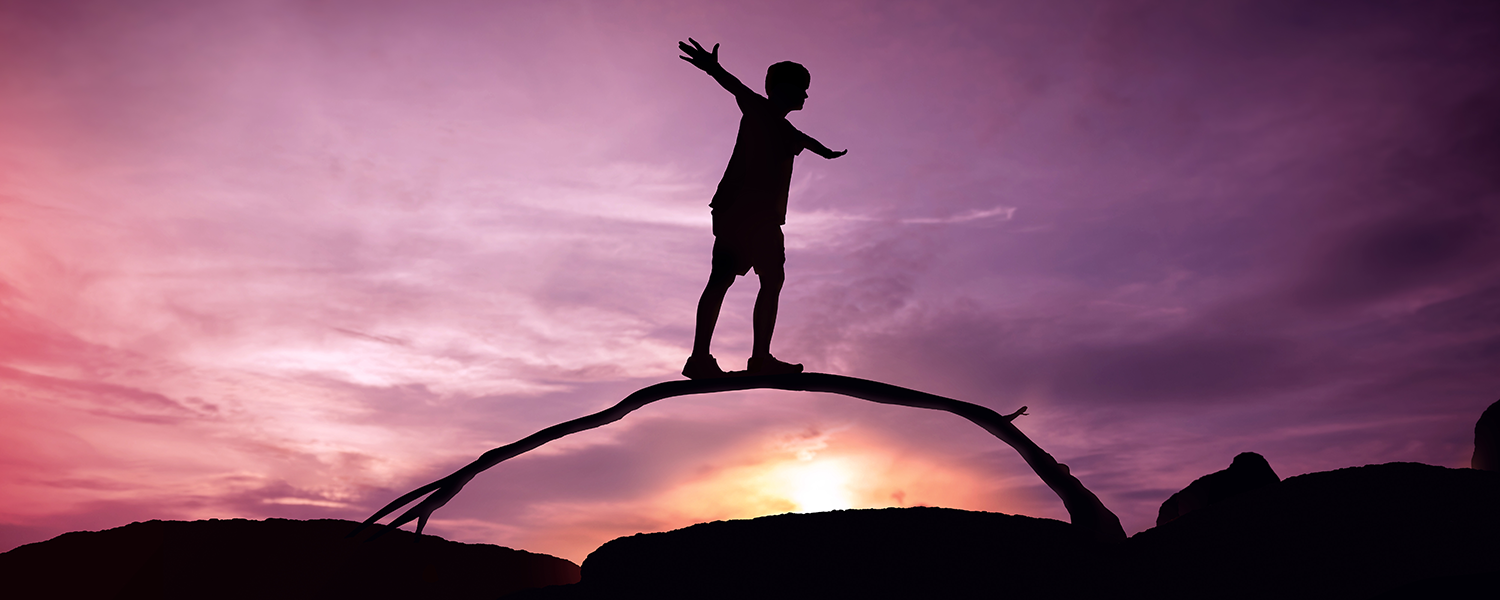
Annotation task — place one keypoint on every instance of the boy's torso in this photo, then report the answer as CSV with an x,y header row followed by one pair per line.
x,y
755,184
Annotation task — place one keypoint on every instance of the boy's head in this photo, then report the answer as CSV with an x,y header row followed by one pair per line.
x,y
786,84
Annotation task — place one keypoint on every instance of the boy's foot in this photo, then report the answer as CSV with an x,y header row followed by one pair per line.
x,y
768,365
702,367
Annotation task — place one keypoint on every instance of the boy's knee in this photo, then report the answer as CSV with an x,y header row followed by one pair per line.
x,y
719,279
771,277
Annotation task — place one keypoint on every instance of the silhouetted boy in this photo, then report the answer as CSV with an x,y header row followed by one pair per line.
x,y
750,206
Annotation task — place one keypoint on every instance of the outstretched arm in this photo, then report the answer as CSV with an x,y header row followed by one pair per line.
x,y
819,149
709,62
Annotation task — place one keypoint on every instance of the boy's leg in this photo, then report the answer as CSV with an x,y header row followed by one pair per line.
x,y
729,261
770,265
701,365
767,301
709,305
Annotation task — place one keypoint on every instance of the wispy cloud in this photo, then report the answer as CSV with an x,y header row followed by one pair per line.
x,y
1003,213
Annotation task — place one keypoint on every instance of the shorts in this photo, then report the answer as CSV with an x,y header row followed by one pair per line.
x,y
761,248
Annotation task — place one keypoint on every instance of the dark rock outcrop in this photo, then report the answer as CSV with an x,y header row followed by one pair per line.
x,y
1487,440
1388,530
1358,532
876,553
275,558
1247,472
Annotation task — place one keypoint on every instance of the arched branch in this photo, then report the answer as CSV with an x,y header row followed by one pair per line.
x,y
1084,508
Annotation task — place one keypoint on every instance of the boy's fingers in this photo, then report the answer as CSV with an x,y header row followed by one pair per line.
x,y
696,51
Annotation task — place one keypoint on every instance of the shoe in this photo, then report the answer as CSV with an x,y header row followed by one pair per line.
x,y
702,367
768,365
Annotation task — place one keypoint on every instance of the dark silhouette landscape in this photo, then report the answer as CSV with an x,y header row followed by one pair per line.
x,y
1395,530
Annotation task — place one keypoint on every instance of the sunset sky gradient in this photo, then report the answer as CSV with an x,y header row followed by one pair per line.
x,y
294,258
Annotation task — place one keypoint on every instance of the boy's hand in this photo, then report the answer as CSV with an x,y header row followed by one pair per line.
x,y
833,155
700,58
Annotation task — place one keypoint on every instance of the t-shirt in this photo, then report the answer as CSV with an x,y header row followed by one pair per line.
x,y
754,188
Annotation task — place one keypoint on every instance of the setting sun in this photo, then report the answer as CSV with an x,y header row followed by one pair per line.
x,y
813,471
816,486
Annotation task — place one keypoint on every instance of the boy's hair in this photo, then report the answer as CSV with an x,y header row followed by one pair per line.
x,y
787,74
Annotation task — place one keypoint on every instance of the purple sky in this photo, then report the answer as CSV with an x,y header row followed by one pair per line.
x,y
293,259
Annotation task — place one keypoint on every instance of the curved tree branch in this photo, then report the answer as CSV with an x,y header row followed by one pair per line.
x,y
1084,508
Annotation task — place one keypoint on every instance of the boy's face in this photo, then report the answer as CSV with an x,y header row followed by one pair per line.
x,y
788,97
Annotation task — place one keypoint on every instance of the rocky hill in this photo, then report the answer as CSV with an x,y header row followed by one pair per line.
x,y
275,558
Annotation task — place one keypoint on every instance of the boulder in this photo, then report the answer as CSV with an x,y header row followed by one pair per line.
x,y
1247,472
1487,440
1397,530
